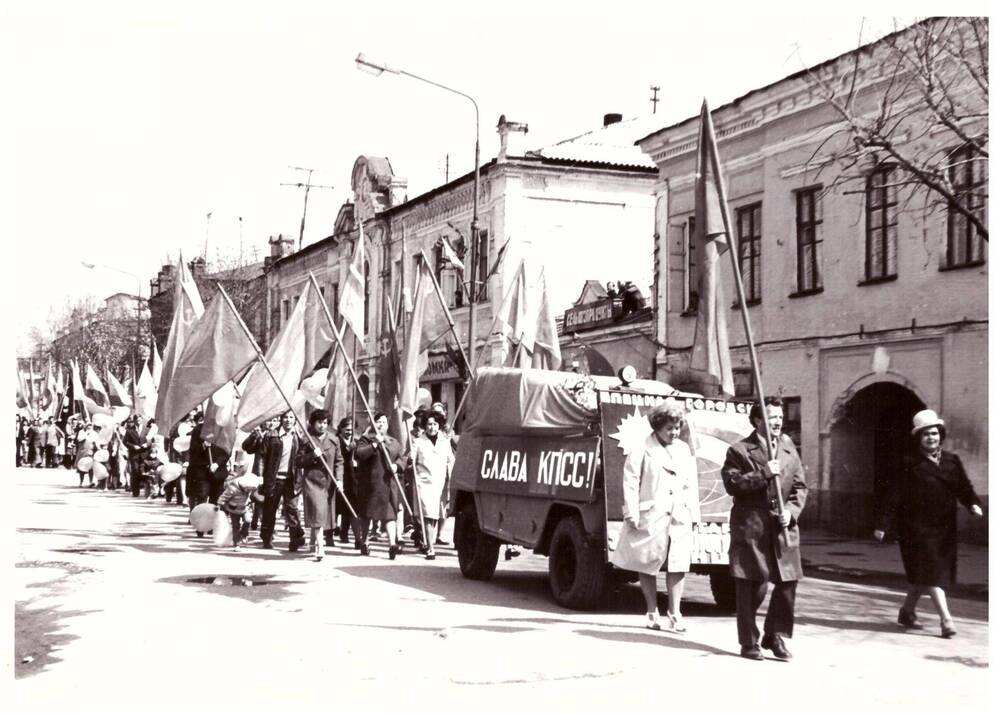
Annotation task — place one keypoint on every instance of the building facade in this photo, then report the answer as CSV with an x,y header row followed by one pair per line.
x,y
580,207
865,307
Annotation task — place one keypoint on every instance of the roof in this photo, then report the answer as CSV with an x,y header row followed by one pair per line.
x,y
791,77
613,145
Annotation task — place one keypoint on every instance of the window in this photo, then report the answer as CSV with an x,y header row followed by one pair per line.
x,y
690,267
880,224
335,299
482,284
793,418
743,383
436,391
808,218
967,173
285,310
748,227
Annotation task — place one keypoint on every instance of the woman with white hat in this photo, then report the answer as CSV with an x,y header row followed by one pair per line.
x,y
921,504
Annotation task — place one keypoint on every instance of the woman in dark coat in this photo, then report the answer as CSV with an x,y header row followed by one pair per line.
x,y
379,457
316,480
921,505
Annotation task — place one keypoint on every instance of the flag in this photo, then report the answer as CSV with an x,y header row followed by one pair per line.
x,y
420,332
217,350
387,373
118,393
145,394
220,428
188,308
449,254
352,296
339,385
22,392
157,365
76,386
95,389
710,353
527,321
293,355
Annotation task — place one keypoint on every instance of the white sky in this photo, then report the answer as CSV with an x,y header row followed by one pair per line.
x,y
126,122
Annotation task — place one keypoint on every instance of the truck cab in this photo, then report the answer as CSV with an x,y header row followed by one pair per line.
x,y
539,465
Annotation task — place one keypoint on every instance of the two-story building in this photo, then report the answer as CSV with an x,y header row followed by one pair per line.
x,y
865,307
582,207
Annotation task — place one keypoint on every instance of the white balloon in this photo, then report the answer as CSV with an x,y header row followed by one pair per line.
x,y
105,435
101,419
424,397
120,413
102,456
169,472
182,444
100,472
184,429
249,480
85,464
222,529
203,517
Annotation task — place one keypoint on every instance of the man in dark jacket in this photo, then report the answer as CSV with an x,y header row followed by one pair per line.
x,y
276,451
761,550
253,444
136,448
206,471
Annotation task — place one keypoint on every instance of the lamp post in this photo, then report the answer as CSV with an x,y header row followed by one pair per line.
x,y
367,65
138,309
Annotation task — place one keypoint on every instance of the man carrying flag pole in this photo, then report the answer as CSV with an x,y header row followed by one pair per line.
x,y
764,542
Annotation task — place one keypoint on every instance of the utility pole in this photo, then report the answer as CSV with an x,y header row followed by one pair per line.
x,y
305,204
655,90
208,222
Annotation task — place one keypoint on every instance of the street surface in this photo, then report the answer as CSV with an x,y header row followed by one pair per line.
x,y
119,606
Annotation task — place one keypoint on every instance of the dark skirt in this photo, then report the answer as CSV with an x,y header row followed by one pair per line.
x,y
380,496
930,554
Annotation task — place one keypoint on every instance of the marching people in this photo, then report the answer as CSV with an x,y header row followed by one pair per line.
x,y
53,438
660,491
251,446
147,470
35,447
135,448
764,538
380,458
276,450
174,490
316,481
432,463
203,462
921,508
344,521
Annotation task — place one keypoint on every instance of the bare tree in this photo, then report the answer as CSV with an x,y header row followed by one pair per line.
x,y
916,101
94,335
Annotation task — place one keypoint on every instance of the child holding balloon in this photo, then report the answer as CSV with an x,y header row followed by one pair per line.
x,y
239,489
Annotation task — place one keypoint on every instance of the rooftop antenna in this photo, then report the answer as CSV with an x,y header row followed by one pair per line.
x,y
305,204
656,90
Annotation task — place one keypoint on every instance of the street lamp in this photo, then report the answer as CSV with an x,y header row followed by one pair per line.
x,y
138,309
366,65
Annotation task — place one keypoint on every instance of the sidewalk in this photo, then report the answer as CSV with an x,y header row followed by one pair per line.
x,y
843,559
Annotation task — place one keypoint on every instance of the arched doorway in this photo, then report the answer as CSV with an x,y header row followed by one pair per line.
x,y
867,445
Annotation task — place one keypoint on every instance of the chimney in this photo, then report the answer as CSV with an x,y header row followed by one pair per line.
x,y
610,119
512,138
281,246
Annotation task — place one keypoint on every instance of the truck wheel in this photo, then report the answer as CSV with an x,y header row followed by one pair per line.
x,y
723,590
576,567
478,552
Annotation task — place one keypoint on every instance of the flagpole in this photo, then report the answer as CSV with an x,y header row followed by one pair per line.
x,y
476,357
447,312
364,399
754,365
267,368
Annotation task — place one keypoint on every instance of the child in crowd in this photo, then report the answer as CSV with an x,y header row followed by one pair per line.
x,y
238,491
149,463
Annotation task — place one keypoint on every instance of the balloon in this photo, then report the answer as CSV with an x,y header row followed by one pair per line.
x,y
203,517
153,431
120,413
101,419
100,472
169,472
424,397
222,529
164,457
249,480
184,429
102,456
85,464
182,443
105,435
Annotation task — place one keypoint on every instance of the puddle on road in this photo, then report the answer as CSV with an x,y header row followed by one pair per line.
x,y
251,586
84,550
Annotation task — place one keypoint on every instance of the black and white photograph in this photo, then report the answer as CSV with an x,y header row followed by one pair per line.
x,y
494,356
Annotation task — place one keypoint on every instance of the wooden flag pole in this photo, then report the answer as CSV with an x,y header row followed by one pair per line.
x,y
267,368
447,312
755,367
364,399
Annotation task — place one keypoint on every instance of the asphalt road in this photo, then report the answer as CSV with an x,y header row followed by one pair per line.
x,y
118,604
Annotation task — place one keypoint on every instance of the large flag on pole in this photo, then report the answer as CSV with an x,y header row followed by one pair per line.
x,y
95,389
217,351
117,393
387,372
22,393
527,321
414,357
710,354
188,308
352,296
337,400
293,355
145,394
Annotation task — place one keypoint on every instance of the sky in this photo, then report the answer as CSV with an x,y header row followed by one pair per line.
x,y
129,122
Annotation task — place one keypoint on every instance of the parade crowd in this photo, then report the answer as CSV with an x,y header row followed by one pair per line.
x,y
345,487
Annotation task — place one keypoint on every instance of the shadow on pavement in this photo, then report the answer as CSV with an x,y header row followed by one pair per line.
x,y
961,660
36,633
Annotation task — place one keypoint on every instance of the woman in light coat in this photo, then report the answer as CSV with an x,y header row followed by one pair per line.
x,y
432,463
660,484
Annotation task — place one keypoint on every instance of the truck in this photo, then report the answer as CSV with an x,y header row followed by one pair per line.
x,y
539,465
